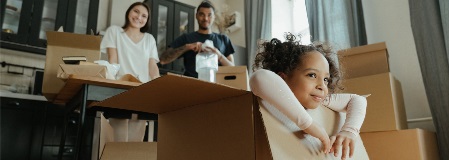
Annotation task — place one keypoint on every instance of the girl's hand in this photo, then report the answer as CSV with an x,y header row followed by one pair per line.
x,y
344,141
318,132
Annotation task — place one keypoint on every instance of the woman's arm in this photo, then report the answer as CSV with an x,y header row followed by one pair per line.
x,y
112,55
154,70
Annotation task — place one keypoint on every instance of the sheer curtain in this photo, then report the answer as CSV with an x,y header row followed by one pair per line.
x,y
291,16
444,10
257,25
429,20
339,22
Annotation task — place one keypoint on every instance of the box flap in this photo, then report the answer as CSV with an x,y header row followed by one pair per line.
x,y
106,134
289,142
130,150
72,40
363,49
157,96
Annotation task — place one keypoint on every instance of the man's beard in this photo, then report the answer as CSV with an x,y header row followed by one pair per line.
x,y
204,28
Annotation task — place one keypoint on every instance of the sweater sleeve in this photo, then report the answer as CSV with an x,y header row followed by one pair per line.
x,y
354,106
272,88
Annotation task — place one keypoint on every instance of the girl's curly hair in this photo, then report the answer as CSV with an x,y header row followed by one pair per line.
x,y
286,56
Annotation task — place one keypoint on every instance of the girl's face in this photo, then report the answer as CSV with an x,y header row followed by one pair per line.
x,y
309,80
138,16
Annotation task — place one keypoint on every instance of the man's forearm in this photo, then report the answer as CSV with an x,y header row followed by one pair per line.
x,y
171,54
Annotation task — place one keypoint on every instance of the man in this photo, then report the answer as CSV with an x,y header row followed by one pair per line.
x,y
188,45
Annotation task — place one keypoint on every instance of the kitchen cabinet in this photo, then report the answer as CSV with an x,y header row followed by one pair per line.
x,y
25,22
170,19
32,129
22,128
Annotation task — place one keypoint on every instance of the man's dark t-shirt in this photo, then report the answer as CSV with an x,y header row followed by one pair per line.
x,y
221,42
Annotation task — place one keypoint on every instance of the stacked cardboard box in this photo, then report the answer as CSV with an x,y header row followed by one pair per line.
x,y
61,44
234,76
367,72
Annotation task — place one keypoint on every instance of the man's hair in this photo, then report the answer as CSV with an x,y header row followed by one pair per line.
x,y
205,4
284,57
147,25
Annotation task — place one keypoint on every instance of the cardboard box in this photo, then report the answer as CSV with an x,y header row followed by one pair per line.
x,y
111,150
385,109
365,60
234,76
408,144
65,70
202,120
60,44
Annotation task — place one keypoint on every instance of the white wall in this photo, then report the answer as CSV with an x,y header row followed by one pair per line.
x,y
389,21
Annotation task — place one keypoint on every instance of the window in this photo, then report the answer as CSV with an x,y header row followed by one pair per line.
x,y
289,16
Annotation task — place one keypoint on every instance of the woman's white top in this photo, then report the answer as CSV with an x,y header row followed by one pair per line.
x,y
132,57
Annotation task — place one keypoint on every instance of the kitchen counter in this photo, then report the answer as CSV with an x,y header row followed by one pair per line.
x,y
22,96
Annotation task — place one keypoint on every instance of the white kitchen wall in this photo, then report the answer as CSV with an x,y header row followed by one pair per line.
x,y
389,21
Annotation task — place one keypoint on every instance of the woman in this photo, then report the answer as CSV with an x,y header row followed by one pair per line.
x,y
131,47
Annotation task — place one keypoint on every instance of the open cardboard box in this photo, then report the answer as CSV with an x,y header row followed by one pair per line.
x,y
365,60
234,76
386,101
203,120
62,44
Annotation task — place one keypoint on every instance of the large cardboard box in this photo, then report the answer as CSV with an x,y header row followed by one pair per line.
x,y
365,60
202,120
234,76
411,144
60,44
385,109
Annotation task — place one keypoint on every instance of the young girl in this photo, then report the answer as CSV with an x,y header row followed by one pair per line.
x,y
130,45
293,78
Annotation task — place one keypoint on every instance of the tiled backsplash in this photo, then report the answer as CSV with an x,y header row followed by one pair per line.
x,y
22,82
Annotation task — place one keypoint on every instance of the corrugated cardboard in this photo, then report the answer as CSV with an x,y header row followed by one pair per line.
x,y
62,44
411,144
200,120
234,76
91,70
385,109
365,60
109,149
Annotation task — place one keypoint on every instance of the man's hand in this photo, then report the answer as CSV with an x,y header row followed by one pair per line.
x,y
343,141
318,132
215,51
196,47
